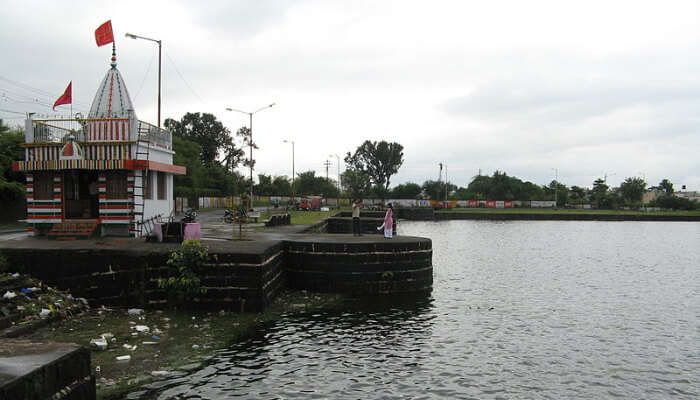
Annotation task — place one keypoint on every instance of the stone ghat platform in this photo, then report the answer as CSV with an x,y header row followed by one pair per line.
x,y
39,371
240,275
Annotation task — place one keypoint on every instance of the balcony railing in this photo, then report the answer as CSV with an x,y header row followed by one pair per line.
x,y
96,130
57,130
157,136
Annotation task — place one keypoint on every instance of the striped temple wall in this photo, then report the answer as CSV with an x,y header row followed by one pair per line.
x,y
93,151
115,211
45,211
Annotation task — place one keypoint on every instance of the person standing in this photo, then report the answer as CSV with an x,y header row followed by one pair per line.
x,y
356,225
388,224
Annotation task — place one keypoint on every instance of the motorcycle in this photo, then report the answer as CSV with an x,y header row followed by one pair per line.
x,y
228,216
190,216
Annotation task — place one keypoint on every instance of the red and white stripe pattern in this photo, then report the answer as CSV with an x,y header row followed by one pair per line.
x,y
115,211
109,130
44,211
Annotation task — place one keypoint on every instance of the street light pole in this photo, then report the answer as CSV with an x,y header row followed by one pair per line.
x,y
132,36
556,177
293,172
338,183
250,114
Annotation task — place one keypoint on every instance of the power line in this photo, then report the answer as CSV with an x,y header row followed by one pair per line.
x,y
183,79
148,69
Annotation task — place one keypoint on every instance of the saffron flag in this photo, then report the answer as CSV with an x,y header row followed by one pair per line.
x,y
66,97
103,34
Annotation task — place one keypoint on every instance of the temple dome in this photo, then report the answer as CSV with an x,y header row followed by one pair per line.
x,y
112,99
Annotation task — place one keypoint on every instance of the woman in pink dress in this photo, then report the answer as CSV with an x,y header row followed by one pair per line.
x,y
388,224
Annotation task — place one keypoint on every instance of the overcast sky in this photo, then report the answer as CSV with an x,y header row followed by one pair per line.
x,y
587,88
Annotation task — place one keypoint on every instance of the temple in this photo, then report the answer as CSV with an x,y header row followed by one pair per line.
x,y
107,174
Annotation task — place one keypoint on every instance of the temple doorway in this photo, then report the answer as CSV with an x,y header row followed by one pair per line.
x,y
80,194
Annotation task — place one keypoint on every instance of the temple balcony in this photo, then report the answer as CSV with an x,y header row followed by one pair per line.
x,y
95,131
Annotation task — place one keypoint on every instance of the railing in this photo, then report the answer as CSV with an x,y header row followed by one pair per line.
x,y
157,136
59,130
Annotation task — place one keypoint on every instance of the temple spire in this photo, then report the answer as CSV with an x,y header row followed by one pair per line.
x,y
114,56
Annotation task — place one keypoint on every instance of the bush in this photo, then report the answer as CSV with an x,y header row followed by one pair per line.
x,y
184,281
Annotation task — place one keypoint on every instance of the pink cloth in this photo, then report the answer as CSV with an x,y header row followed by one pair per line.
x,y
192,231
388,219
158,230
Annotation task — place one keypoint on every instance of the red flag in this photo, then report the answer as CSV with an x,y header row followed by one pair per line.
x,y
66,97
103,34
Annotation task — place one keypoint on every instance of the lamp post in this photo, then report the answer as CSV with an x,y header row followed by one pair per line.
x,y
132,36
337,158
556,176
293,173
250,114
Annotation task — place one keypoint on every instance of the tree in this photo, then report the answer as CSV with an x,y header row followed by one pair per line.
x,y
378,160
408,190
632,190
205,130
356,183
578,195
666,186
11,182
282,185
599,192
559,192
247,137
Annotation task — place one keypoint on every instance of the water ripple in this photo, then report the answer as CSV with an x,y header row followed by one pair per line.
x,y
536,310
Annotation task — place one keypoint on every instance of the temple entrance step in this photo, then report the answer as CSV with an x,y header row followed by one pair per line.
x,y
73,230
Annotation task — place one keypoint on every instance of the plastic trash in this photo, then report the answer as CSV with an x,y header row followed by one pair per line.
x,y
129,347
156,337
195,346
9,295
141,328
123,358
44,312
149,342
15,275
107,335
159,373
135,311
100,344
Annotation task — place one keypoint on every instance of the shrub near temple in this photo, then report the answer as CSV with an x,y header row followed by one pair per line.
x,y
183,279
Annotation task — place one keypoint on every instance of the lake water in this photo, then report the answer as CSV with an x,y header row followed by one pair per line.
x,y
531,310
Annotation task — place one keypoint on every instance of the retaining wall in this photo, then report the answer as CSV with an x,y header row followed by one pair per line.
x,y
39,371
373,267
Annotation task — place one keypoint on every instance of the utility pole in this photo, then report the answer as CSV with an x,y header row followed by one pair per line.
x,y
327,164
556,183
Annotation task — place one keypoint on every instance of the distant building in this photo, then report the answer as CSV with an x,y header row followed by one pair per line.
x,y
688,195
651,194
109,170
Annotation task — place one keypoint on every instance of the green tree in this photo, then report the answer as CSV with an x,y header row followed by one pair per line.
x,y
205,130
356,183
408,190
265,186
599,193
378,160
578,195
559,192
632,190
11,182
282,185
666,186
